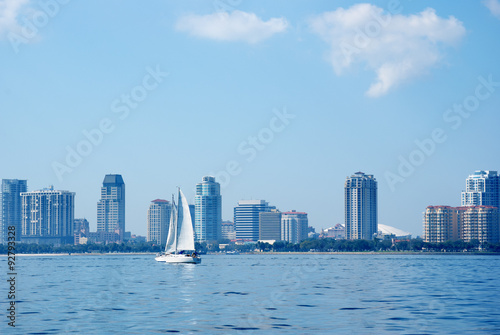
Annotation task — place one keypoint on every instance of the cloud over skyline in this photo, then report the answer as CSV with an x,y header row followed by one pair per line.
x,y
396,47
9,13
493,6
234,26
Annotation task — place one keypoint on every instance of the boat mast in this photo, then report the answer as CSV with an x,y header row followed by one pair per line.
x,y
175,227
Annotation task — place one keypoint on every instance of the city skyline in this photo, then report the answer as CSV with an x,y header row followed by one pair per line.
x,y
472,183
47,213
477,217
284,110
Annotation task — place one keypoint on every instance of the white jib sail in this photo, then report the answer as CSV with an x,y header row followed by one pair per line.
x,y
172,230
185,224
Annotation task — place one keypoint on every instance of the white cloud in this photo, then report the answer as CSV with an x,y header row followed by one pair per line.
x,y
493,6
397,47
10,10
9,13
234,26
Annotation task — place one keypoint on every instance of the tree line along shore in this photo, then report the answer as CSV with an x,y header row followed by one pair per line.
x,y
325,245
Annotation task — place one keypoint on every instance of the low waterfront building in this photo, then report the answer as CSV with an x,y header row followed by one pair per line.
x,y
445,223
337,232
386,232
81,230
228,232
480,223
440,224
104,237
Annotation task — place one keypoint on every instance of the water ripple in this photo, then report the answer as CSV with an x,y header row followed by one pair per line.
x,y
366,294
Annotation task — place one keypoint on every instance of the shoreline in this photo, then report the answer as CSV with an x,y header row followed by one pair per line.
x,y
375,253
416,253
84,254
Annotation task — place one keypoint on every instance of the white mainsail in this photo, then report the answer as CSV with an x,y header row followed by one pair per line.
x,y
180,240
185,239
172,230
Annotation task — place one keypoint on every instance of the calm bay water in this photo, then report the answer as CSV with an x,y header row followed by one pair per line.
x,y
295,294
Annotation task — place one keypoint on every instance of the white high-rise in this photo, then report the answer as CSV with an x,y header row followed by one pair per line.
x,y
294,226
48,216
158,221
360,192
482,188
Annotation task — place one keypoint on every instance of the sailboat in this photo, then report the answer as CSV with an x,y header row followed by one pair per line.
x,y
180,241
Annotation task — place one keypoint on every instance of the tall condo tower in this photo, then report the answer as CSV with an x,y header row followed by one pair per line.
x,y
208,210
294,226
111,207
158,221
246,218
11,209
48,216
482,188
360,193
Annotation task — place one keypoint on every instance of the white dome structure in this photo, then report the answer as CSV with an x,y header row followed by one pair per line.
x,y
388,230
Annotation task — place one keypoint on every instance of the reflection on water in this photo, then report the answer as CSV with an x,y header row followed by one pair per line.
x,y
301,294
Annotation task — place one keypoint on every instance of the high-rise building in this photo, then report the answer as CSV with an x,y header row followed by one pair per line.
x,y
192,213
48,216
11,215
441,224
111,207
360,206
445,223
158,221
482,188
208,210
480,223
246,218
270,225
294,226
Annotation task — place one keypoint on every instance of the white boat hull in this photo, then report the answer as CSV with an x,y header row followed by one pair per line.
x,y
178,258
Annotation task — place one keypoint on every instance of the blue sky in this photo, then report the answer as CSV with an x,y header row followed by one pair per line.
x,y
286,98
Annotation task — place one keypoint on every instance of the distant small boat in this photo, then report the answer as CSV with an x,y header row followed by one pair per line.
x,y
180,241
